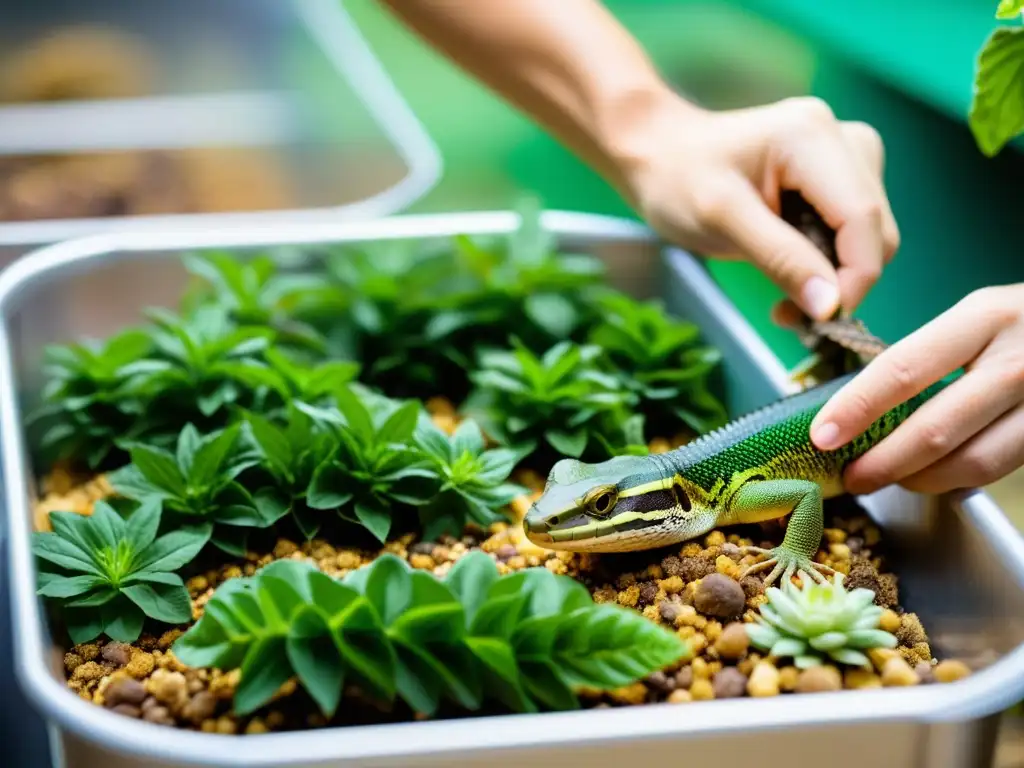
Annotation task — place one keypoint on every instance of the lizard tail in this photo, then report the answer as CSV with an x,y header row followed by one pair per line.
x,y
841,344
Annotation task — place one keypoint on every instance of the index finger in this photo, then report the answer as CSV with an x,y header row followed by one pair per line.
x,y
903,370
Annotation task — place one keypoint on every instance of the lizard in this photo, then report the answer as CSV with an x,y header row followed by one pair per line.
x,y
759,467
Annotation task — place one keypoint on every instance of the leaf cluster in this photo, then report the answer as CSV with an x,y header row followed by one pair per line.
x,y
996,113
108,574
660,359
525,641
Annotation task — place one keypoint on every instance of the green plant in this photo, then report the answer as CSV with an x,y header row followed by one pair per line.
x,y
659,358
85,407
201,365
819,622
996,114
290,455
374,466
108,574
472,480
255,294
199,481
525,641
561,397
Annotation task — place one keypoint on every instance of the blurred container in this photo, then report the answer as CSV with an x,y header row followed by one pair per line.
x,y
196,112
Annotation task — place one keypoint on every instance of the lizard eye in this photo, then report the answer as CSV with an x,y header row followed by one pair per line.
x,y
601,502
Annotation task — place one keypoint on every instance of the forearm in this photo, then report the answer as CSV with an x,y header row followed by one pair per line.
x,y
566,63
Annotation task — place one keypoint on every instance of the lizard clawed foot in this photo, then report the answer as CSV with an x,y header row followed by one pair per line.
x,y
786,564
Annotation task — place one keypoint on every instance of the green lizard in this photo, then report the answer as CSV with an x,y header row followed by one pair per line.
x,y
762,466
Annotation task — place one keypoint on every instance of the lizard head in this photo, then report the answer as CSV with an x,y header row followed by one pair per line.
x,y
622,504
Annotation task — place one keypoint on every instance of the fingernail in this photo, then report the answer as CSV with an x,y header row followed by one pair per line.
x,y
826,436
820,297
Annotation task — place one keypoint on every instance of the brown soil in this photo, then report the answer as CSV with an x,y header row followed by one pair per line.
x,y
693,589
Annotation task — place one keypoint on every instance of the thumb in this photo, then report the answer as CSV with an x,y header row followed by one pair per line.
x,y
786,257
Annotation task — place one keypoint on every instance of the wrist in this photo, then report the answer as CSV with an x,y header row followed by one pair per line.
x,y
642,126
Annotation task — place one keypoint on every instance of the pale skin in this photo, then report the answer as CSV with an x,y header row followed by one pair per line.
x,y
711,180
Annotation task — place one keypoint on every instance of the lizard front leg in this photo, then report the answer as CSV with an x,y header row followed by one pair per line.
x,y
767,499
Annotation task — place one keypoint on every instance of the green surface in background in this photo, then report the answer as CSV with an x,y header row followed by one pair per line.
x,y
906,68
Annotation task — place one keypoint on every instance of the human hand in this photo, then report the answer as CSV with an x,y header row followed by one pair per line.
x,y
972,432
711,181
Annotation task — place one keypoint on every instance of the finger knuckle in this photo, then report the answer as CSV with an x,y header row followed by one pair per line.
x,y
892,241
903,377
1013,370
980,468
712,205
996,302
935,439
812,109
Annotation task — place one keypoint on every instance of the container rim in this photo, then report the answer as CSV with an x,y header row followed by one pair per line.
x,y
332,28
983,693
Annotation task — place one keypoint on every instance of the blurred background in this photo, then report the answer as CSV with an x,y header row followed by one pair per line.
x,y
117,114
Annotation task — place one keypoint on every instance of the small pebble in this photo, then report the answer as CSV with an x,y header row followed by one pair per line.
x,y
719,596
734,641
159,715
819,679
422,562
679,696
672,585
117,653
788,678
422,548
200,707
950,671
764,680
897,672
124,691
128,710
661,682
890,621
730,683
702,690
925,672
141,665
684,678
506,551
858,679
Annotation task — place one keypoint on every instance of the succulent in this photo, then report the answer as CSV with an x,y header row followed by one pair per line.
x,y
527,641
109,574
818,622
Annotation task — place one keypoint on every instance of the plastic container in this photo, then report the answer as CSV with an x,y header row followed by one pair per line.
x,y
259,110
960,563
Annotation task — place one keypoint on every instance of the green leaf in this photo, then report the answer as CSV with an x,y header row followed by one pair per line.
x,y
1009,9
553,312
69,586
58,550
264,671
84,624
163,602
471,579
542,681
176,549
122,621
315,659
212,455
357,417
328,489
996,114
158,467
399,426
468,439
389,587
376,519
272,440
567,443
143,524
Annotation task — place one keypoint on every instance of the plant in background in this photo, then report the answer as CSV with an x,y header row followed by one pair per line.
x,y
85,408
819,622
201,365
526,641
472,480
660,359
289,457
256,295
996,115
199,482
313,383
374,466
108,574
561,398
